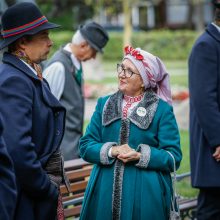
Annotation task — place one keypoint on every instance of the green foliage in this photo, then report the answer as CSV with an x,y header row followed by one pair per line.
x,y
59,38
168,45
165,44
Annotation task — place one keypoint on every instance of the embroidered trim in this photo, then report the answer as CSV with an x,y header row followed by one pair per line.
x,y
113,109
24,28
145,155
119,172
117,189
150,103
129,101
104,159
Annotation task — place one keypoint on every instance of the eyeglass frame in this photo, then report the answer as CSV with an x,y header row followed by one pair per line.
x,y
125,71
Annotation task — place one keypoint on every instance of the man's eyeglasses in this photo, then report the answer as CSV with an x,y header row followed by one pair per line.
x,y
126,72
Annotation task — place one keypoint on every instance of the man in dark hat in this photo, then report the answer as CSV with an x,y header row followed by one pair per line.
x,y
204,89
33,118
64,74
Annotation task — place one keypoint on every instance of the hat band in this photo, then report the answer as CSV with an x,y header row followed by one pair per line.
x,y
24,28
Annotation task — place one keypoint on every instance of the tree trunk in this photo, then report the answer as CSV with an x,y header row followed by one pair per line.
x,y
199,15
190,14
127,23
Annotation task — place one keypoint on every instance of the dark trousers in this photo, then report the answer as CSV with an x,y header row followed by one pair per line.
x,y
209,204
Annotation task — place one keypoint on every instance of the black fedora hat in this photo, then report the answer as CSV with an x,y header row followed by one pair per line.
x,y
95,35
22,19
216,3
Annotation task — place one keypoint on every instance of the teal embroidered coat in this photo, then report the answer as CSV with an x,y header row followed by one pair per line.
x,y
139,190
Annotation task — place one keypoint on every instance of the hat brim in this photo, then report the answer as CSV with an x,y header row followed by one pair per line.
x,y
84,34
46,26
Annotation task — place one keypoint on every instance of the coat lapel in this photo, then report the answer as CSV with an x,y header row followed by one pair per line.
x,y
18,64
149,103
48,97
113,109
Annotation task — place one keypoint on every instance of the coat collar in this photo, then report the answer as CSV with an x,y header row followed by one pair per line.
x,y
113,109
18,64
212,30
48,97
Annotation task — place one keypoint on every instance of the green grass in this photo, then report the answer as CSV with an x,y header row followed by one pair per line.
x,y
184,187
179,80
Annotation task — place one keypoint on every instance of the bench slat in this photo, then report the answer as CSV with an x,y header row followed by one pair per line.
x,y
75,174
75,187
74,211
68,197
75,164
190,204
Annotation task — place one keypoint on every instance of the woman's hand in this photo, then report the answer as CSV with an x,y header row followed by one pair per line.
x,y
122,149
130,156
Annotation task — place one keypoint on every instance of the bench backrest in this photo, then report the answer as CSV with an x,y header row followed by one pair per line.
x,y
78,172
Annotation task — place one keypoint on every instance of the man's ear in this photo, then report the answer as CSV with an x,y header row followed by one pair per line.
x,y
21,43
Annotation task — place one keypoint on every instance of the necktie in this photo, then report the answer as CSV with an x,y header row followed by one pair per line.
x,y
79,75
21,55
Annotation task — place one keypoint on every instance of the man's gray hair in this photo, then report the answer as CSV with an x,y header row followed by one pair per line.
x,y
78,38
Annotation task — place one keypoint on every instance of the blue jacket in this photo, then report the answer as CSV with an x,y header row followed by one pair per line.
x,y
34,124
7,182
204,87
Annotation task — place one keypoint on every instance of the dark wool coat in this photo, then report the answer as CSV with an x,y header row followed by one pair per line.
x,y
204,88
135,190
34,124
7,182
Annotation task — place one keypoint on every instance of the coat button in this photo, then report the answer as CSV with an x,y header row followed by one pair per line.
x,y
57,114
58,132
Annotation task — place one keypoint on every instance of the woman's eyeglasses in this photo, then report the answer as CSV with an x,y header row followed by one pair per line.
x,y
126,72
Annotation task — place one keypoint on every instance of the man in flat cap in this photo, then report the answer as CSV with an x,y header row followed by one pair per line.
x,y
64,75
204,89
33,118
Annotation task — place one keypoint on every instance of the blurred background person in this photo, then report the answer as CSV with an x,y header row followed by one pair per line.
x,y
65,77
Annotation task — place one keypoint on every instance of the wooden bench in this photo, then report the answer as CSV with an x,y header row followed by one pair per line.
x,y
78,172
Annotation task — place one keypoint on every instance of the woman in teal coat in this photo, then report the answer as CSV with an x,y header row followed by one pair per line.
x,y
132,139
